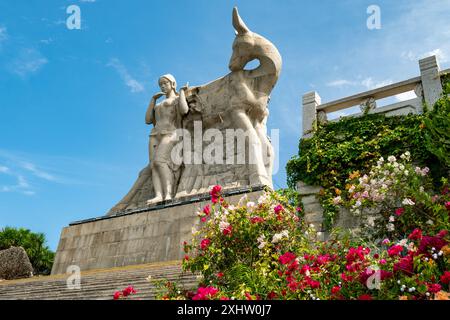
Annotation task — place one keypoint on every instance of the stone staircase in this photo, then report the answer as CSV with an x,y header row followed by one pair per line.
x,y
99,284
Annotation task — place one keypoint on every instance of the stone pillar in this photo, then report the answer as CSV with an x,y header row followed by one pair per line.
x,y
313,210
310,102
431,80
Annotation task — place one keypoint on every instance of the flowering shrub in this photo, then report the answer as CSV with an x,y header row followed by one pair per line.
x,y
263,250
399,198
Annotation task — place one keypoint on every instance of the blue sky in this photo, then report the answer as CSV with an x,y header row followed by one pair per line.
x,y
72,102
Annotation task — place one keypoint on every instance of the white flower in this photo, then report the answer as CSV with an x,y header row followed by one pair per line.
x,y
401,167
223,225
231,207
391,219
392,159
337,200
250,204
277,237
352,188
262,199
357,204
408,202
395,165
430,222
421,189
390,227
261,240
406,172
149,278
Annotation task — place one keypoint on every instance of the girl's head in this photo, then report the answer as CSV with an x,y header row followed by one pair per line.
x,y
167,83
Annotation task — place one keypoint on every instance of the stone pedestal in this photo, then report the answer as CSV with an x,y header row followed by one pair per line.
x,y
144,235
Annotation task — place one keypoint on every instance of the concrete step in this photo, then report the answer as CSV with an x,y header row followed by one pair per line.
x,y
99,284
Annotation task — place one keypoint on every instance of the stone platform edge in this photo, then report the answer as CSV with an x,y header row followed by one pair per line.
x,y
173,203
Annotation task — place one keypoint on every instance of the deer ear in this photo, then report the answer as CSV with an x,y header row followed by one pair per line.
x,y
238,24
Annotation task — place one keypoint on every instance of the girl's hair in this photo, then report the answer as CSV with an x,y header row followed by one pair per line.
x,y
171,78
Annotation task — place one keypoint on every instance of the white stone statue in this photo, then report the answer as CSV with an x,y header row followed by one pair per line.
x,y
166,119
237,101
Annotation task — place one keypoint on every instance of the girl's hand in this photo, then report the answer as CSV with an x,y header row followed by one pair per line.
x,y
158,95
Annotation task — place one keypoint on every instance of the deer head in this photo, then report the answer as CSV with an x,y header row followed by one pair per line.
x,y
248,46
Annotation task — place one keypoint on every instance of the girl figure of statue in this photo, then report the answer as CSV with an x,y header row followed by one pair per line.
x,y
166,119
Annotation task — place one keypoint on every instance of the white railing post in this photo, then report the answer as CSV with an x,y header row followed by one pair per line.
x,y
310,102
431,80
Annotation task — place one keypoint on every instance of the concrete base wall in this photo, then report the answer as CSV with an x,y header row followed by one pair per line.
x,y
136,238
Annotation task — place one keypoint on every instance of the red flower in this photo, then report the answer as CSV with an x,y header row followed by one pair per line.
x,y
207,210
278,209
186,258
203,219
445,278
434,287
286,258
416,234
117,295
248,296
298,209
224,298
227,231
205,243
215,193
405,265
272,295
256,219
436,242
128,290
365,297
335,289
395,250
399,211
220,275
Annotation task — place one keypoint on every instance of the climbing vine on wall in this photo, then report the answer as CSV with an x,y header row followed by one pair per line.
x,y
338,149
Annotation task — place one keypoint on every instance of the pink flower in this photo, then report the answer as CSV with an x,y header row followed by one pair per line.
x,y
203,219
447,205
207,210
205,243
286,258
399,211
205,293
298,209
278,209
416,234
395,250
386,241
117,295
383,261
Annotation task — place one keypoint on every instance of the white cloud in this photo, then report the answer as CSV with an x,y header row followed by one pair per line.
x,y
439,53
3,34
341,83
28,62
4,169
368,83
132,83
37,172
